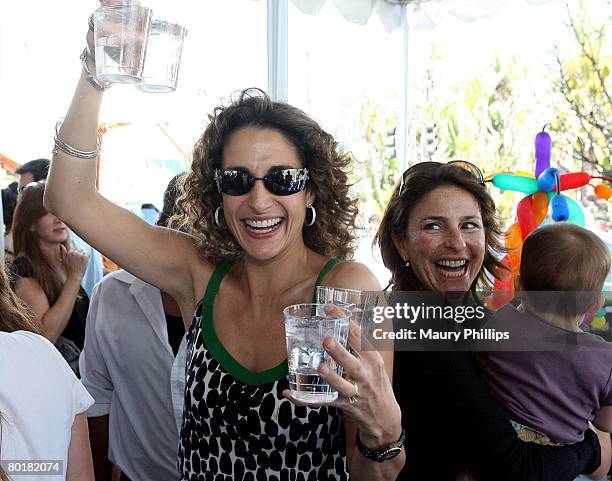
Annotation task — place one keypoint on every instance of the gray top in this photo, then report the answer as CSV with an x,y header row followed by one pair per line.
x,y
555,392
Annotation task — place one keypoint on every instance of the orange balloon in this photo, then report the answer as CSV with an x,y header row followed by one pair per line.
x,y
514,262
603,191
513,238
539,206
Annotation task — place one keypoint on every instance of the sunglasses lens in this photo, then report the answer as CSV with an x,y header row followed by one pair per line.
x,y
286,182
468,167
235,182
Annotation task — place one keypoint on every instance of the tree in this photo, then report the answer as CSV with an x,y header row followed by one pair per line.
x,y
378,164
486,120
583,105
584,114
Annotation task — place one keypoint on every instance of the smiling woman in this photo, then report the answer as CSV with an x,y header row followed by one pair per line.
x,y
265,217
281,137
439,233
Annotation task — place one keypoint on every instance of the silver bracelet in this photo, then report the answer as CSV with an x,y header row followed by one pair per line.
x,y
68,149
100,85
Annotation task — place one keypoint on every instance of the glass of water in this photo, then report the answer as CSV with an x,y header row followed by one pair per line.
x,y
163,58
121,33
306,326
360,303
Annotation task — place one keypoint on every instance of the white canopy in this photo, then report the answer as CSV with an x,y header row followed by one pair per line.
x,y
428,12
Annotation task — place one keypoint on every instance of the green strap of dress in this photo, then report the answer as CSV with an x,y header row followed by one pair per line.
x,y
329,265
215,346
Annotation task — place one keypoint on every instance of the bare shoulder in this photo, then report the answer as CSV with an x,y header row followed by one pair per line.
x,y
352,275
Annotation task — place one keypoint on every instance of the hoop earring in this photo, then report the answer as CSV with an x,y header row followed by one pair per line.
x,y
314,215
217,221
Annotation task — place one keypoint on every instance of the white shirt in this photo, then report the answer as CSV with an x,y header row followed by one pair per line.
x,y
177,381
126,366
39,399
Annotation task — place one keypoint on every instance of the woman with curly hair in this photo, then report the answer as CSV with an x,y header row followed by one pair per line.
x,y
265,218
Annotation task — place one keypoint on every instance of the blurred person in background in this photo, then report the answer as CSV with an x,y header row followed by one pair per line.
x,y
48,273
133,335
9,201
34,171
31,171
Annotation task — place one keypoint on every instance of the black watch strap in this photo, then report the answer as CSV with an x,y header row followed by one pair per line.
x,y
382,454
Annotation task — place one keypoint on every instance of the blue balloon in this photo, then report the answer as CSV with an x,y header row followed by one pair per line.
x,y
576,215
560,209
547,180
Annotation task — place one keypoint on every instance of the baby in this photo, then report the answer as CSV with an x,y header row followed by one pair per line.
x,y
561,378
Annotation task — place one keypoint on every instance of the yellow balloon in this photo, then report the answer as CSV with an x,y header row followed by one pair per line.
x,y
598,323
522,173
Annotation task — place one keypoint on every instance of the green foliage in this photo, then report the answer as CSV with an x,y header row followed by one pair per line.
x,y
583,120
378,164
491,119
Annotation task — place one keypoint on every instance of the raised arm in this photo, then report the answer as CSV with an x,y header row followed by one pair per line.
x,y
159,256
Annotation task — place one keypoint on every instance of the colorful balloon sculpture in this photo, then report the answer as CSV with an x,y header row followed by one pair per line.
x,y
543,193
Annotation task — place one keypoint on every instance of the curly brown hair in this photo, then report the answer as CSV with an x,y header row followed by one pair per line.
x,y
328,168
416,185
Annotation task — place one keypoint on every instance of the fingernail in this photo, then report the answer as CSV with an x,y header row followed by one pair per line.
x,y
323,369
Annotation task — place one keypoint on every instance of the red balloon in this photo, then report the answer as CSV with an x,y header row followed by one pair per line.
x,y
526,218
503,289
574,180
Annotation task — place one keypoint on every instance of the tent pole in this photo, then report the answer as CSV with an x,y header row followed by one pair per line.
x,y
278,50
403,118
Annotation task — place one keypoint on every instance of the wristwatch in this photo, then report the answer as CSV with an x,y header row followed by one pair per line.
x,y
382,454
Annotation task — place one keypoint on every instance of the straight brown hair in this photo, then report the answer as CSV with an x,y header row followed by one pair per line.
x,y
29,210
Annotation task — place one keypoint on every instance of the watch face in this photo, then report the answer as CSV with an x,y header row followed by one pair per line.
x,y
389,454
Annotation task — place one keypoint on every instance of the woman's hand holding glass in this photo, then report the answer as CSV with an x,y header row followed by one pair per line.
x,y
365,391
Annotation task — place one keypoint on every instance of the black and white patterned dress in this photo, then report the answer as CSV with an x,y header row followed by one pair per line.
x,y
237,426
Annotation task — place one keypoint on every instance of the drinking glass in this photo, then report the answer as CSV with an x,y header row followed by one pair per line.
x,y
306,326
163,58
360,303
121,33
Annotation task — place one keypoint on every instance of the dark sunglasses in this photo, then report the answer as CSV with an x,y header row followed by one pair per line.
x,y
280,182
468,167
